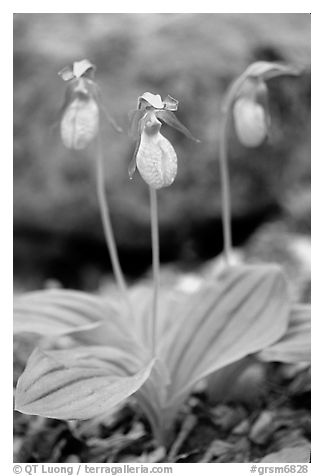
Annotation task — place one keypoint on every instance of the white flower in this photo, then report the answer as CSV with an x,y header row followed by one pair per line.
x,y
156,159
251,113
250,122
80,121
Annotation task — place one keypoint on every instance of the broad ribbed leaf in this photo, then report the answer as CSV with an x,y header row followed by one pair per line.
x,y
223,384
152,398
295,345
58,312
116,331
170,305
88,319
79,383
246,310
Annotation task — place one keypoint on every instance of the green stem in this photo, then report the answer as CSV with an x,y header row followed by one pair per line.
x,y
156,263
223,162
225,187
107,227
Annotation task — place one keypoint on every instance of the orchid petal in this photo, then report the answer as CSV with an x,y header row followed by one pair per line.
x,y
170,103
66,73
77,70
263,70
80,68
154,100
171,120
135,122
110,119
267,70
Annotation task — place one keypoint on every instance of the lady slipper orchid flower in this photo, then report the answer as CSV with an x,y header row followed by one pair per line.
x,y
80,119
251,113
154,156
80,124
81,109
246,100
156,159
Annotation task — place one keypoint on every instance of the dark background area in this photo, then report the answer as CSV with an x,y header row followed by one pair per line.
x,y
192,57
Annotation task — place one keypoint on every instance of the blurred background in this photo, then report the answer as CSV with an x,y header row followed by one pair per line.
x,y
193,57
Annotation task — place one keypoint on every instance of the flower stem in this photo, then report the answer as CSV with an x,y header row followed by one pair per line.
x,y
108,231
225,187
228,102
156,263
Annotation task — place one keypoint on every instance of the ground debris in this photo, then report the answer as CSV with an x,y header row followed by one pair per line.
x,y
187,426
227,417
45,439
217,448
242,428
298,454
262,428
